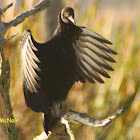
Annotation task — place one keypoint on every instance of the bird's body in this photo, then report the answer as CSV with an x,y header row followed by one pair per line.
x,y
60,70
50,69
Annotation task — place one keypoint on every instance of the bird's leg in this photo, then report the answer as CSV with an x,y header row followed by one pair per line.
x,y
56,108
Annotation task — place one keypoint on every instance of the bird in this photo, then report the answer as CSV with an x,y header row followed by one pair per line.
x,y
50,69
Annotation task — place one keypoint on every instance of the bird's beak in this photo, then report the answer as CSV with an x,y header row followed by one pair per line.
x,y
72,20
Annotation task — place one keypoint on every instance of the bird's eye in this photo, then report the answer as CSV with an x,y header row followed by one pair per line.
x,y
66,14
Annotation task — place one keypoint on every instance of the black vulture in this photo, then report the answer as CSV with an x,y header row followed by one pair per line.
x,y
49,69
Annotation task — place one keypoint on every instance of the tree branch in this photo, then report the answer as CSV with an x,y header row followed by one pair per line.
x,y
75,117
38,8
72,116
4,9
6,40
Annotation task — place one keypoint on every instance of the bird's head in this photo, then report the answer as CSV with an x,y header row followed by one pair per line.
x,y
67,15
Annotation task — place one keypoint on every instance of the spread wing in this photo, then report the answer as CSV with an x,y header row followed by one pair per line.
x,y
29,62
92,53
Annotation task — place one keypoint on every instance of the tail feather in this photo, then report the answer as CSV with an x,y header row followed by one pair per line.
x,y
51,117
48,120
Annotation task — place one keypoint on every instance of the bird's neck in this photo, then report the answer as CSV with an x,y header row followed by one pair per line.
x,y
67,30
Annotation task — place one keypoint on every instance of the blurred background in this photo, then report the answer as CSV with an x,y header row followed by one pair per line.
x,y
116,20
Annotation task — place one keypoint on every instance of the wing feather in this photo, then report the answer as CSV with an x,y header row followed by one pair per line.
x,y
84,74
92,53
29,63
92,34
98,44
96,50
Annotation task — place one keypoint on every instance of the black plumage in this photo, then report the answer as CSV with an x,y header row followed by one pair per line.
x,y
49,70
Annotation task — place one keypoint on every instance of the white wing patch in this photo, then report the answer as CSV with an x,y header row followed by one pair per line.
x,y
91,53
29,63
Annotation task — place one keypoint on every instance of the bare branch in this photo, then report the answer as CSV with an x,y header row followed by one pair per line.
x,y
42,136
20,18
68,128
4,9
6,40
75,117
72,116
